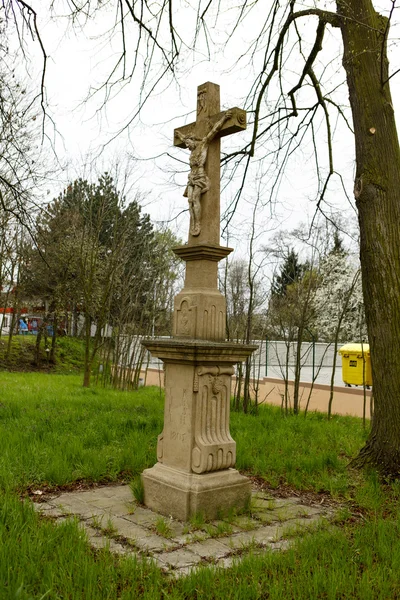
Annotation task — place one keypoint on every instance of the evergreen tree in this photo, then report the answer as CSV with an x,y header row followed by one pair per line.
x,y
291,272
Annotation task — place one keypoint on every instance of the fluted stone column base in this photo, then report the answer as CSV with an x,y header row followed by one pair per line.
x,y
181,495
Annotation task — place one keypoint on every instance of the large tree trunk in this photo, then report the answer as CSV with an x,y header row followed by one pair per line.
x,y
377,193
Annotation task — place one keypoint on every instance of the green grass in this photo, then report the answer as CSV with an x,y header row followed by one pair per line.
x,y
306,453
69,355
54,432
163,528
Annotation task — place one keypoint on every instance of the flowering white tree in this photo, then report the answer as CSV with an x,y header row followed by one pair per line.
x,y
338,301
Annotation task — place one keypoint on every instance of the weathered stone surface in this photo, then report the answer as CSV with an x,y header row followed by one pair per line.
x,y
181,495
210,548
124,528
49,510
154,543
142,516
180,558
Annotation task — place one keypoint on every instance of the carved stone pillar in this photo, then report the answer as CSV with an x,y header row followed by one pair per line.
x,y
196,452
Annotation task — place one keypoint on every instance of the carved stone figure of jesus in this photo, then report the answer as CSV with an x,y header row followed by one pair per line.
x,y
198,181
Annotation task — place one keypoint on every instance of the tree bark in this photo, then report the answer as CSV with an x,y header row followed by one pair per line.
x,y
87,368
377,193
54,340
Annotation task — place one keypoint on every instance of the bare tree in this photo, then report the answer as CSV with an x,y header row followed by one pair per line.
x,y
23,169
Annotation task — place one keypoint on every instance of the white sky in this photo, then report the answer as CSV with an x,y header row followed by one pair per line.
x,y
80,59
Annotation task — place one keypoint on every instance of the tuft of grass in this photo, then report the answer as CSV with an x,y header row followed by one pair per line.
x,y
197,521
219,529
137,488
163,528
110,528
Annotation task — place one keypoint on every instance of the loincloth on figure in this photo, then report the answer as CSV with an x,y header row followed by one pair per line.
x,y
199,180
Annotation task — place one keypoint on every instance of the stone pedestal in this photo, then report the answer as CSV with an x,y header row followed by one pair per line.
x,y
195,451
181,495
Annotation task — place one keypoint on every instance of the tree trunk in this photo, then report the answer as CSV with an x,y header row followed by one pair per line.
x,y
238,387
377,193
297,370
246,387
87,368
54,340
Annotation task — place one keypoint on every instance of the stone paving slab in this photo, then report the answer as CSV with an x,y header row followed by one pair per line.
x,y
210,548
114,521
179,558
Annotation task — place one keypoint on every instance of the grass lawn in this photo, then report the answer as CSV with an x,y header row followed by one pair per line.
x,y
53,432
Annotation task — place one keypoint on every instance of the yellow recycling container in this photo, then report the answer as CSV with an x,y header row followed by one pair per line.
x,y
356,362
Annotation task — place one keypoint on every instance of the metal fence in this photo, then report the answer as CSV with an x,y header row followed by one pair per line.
x,y
278,359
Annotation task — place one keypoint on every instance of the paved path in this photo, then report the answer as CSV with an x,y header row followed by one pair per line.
x,y
112,519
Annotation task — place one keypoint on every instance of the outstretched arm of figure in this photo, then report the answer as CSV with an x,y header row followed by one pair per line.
x,y
181,137
218,126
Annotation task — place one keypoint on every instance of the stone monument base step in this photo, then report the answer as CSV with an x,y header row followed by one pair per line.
x,y
182,495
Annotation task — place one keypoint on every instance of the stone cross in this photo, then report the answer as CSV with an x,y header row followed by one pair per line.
x,y
202,138
196,453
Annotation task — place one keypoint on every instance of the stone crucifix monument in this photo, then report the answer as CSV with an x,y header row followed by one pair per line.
x,y
196,454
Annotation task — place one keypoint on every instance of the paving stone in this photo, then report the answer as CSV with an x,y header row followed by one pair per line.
x,y
240,540
226,563
180,558
189,538
99,502
210,548
295,526
119,509
119,492
221,529
267,535
300,511
76,507
154,543
265,517
48,510
291,511
312,511
123,493
124,528
281,502
143,516
280,545
101,542
261,496
176,528
63,519
160,563
87,495
184,571
246,523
